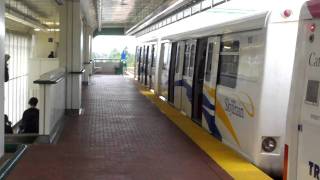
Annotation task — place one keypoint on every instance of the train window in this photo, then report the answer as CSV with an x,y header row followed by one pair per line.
x,y
186,60
206,4
312,92
152,57
177,59
230,46
229,63
209,62
192,58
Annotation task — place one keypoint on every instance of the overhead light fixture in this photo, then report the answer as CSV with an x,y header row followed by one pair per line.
x,y
24,20
60,2
49,23
53,30
99,14
37,29
123,3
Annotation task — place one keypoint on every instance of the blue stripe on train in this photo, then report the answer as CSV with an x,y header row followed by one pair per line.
x,y
209,118
189,90
212,124
206,102
187,86
178,83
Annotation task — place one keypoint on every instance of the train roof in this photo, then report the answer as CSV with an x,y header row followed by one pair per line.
x,y
236,17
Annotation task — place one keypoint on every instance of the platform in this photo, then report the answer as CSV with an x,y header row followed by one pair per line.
x,y
122,135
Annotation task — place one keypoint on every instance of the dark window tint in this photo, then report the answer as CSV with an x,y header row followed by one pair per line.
x,y
178,59
312,91
186,59
192,58
230,46
153,57
209,62
229,62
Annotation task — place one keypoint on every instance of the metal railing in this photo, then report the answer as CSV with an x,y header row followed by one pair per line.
x,y
106,60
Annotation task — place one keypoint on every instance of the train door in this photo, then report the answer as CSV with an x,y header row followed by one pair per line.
x,y
138,62
187,77
142,70
209,86
152,66
198,79
178,74
164,70
146,65
172,72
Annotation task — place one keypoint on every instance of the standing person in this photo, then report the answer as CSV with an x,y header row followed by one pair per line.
x,y
6,69
7,125
30,118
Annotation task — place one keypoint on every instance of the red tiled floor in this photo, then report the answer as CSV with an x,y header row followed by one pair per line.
x,y
121,136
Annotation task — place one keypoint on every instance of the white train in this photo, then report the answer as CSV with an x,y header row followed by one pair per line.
x,y
302,149
234,77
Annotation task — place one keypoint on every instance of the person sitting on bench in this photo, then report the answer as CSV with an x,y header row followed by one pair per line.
x,y
30,118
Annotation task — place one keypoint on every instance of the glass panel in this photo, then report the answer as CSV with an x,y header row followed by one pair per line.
x,y
186,59
192,58
177,59
174,18
206,4
196,8
209,62
228,70
16,89
179,15
187,12
312,92
169,20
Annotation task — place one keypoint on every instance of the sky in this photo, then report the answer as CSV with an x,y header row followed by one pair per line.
x,y
105,44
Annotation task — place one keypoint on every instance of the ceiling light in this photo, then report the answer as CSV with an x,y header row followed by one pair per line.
x,y
37,29
60,2
49,23
123,3
25,21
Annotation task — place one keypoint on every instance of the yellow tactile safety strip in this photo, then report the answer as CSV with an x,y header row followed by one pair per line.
x,y
229,160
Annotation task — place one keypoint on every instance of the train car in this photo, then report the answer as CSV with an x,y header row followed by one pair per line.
x,y
234,79
302,159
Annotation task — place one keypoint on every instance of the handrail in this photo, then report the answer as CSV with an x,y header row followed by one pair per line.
x,y
18,150
106,60
51,77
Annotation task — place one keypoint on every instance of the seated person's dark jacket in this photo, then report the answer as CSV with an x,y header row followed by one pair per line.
x,y
30,121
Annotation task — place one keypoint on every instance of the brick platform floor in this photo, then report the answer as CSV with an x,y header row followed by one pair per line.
x,y
121,136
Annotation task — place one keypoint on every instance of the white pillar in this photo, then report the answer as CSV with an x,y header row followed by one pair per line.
x,y
2,34
71,48
87,53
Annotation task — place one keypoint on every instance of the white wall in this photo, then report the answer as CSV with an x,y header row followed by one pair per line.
x,y
51,106
2,36
41,46
17,45
37,67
